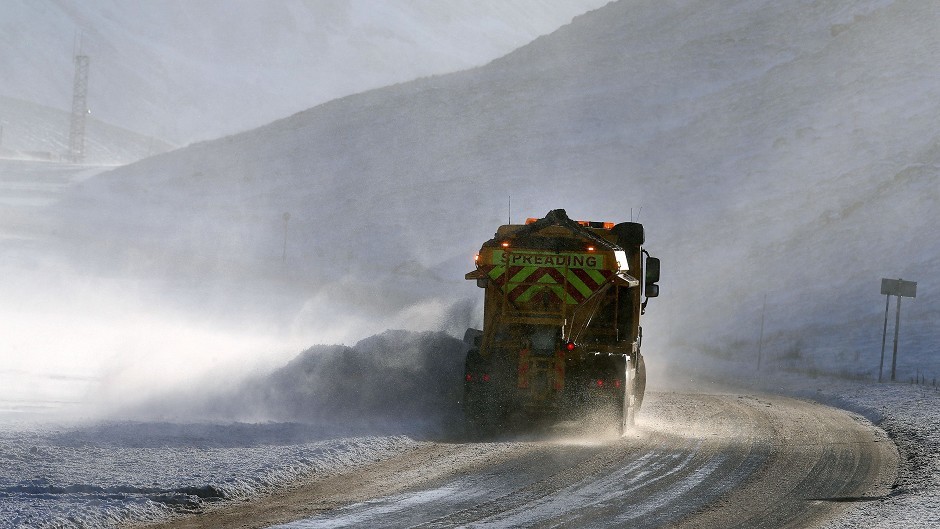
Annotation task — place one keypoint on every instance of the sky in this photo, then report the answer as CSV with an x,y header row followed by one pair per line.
x,y
183,71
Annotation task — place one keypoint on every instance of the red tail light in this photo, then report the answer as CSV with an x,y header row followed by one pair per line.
x,y
486,377
469,377
600,382
570,346
617,383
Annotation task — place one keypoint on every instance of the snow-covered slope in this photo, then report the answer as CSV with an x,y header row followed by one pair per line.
x,y
185,71
778,149
36,132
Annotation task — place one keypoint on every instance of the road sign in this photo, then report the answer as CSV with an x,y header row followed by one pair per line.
x,y
899,287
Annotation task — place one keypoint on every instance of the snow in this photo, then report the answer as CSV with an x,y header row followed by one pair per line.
x,y
911,418
784,152
389,508
114,473
329,410
37,133
741,147
184,71
619,486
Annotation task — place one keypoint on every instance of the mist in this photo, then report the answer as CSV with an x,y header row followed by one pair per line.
x,y
180,72
750,140
393,383
255,277
103,320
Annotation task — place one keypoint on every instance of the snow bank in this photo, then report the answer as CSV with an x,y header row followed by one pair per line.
x,y
112,474
331,408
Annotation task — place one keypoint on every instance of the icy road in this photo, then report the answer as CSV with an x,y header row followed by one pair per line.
x,y
693,461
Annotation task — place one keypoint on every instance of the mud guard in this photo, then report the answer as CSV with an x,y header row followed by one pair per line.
x,y
628,416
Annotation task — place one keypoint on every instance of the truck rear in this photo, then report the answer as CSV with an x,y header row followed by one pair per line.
x,y
561,325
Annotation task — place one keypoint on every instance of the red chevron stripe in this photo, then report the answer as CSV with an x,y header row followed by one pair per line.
x,y
556,274
585,278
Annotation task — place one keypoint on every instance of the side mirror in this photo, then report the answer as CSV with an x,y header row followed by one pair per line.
x,y
652,290
652,270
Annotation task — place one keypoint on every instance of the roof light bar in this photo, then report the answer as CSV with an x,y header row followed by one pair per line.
x,y
585,223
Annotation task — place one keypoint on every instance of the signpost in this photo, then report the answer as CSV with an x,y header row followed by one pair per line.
x,y
899,288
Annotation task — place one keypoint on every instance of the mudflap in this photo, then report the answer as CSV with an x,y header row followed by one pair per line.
x,y
487,411
476,395
634,390
629,406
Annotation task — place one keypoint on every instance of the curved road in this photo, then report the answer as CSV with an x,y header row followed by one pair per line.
x,y
694,461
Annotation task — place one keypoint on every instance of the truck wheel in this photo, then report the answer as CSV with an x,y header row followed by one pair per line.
x,y
640,385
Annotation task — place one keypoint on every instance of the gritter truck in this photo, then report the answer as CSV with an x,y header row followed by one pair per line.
x,y
561,323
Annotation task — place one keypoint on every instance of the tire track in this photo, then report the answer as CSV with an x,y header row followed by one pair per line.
x,y
694,461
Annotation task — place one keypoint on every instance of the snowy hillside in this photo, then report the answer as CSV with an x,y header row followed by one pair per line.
x,y
185,71
35,132
778,149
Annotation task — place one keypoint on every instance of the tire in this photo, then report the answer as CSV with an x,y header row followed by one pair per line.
x,y
640,385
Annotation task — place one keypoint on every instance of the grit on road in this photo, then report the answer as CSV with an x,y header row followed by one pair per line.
x,y
699,461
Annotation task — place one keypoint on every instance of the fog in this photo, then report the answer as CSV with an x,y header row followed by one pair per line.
x,y
397,382
184,71
174,72
776,152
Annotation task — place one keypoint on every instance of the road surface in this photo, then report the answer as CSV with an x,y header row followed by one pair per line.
x,y
694,461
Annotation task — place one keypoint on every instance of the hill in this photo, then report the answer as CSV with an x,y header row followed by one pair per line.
x,y
186,71
776,149
36,132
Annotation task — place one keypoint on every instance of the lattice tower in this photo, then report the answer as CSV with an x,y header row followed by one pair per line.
x,y
79,110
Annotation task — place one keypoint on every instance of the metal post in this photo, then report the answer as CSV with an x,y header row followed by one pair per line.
x,y
760,344
899,288
884,338
897,325
79,110
284,253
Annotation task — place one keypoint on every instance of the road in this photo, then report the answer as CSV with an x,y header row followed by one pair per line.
x,y
694,461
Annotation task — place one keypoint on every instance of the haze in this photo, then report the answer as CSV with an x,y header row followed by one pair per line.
x,y
778,151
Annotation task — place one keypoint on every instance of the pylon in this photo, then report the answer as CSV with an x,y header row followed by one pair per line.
x,y
79,110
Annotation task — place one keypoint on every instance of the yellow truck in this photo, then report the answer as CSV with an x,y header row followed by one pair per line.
x,y
561,323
